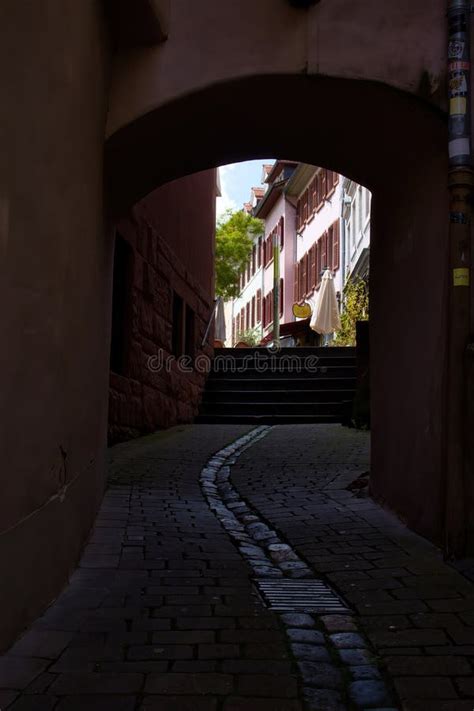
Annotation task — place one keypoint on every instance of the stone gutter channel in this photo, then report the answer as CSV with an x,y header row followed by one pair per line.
x,y
336,665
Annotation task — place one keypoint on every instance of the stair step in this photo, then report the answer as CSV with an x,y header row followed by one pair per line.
x,y
286,384
330,371
272,408
267,419
303,351
276,395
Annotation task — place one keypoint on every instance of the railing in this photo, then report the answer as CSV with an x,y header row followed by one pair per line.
x,y
211,319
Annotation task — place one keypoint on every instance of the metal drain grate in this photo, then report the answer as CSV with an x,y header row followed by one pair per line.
x,y
301,596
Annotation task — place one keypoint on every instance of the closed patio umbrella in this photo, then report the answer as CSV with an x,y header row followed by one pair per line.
x,y
220,321
326,318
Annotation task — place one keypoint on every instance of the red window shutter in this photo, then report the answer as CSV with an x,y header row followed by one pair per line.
x,y
318,262
303,276
324,184
282,232
296,291
305,205
282,301
247,316
330,180
310,199
259,305
270,296
336,246
254,259
335,179
264,312
312,267
330,246
324,251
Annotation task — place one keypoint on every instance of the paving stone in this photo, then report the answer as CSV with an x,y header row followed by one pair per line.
x,y
97,683
41,643
427,666
425,688
365,671
338,623
34,703
104,702
297,619
369,694
321,675
323,700
185,684
355,657
18,672
310,652
348,640
235,703
305,635
178,703
267,685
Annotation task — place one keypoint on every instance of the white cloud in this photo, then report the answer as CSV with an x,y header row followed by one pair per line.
x,y
225,202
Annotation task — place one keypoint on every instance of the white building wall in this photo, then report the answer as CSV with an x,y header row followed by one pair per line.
x,y
356,229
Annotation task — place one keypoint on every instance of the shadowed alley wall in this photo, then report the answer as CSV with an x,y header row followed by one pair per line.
x,y
171,235
55,267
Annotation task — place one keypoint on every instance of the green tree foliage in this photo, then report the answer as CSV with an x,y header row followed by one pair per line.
x,y
355,308
235,236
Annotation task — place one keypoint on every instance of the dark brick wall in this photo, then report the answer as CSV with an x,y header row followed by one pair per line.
x,y
171,238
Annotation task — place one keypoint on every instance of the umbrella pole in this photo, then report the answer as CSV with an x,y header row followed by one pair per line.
x,y
276,287
459,315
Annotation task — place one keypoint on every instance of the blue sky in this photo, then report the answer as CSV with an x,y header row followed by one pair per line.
x,y
236,181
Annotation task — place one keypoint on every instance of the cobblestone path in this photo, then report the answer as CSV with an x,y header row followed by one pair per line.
x,y
163,613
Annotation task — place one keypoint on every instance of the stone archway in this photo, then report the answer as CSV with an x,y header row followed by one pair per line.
x,y
394,144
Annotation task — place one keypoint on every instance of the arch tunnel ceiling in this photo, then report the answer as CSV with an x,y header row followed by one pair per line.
x,y
358,128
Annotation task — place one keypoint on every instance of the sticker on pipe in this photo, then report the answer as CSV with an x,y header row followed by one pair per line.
x,y
461,277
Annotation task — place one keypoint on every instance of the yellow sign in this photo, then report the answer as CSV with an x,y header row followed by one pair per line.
x,y
461,277
458,105
302,310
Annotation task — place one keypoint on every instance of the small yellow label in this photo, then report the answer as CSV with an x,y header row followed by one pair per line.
x,y
458,105
461,277
302,310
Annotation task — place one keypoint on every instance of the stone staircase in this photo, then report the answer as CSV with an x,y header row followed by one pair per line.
x,y
296,385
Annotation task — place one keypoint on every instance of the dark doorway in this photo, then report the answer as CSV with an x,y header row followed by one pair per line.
x,y
123,257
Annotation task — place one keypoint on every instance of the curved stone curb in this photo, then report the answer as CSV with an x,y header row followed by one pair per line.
x,y
334,661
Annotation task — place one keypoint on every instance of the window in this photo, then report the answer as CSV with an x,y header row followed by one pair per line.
x,y
177,327
122,280
247,316
189,332
303,277
259,253
324,251
242,320
259,305
305,205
